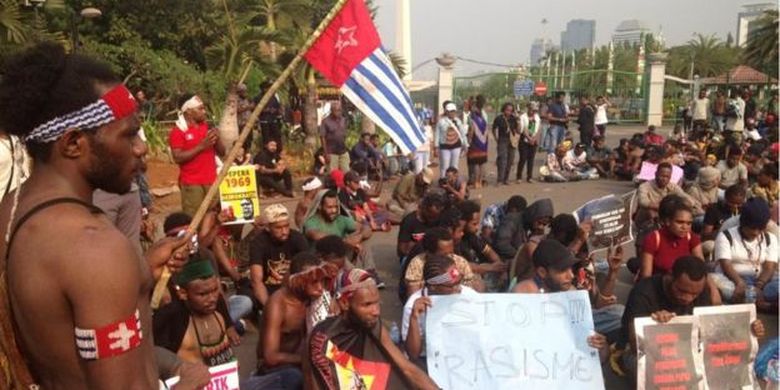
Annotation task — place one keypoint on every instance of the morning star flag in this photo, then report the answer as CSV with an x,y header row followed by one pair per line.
x,y
349,54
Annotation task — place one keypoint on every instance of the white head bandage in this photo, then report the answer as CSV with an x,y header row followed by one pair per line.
x,y
314,184
193,102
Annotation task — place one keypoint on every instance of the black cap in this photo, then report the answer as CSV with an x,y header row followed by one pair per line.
x,y
552,254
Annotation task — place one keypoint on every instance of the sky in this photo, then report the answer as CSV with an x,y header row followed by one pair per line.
x,y
502,31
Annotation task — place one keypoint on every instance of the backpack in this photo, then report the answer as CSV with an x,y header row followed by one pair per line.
x,y
731,239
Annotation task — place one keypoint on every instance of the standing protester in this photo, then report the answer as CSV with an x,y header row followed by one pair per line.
x,y
195,148
719,112
333,138
601,120
80,128
735,114
476,156
449,138
272,171
701,110
558,116
586,121
530,131
270,117
505,131
422,156
358,335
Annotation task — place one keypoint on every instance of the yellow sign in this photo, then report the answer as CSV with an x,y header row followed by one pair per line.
x,y
238,194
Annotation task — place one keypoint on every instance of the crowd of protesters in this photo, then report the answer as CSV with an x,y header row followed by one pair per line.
x,y
706,218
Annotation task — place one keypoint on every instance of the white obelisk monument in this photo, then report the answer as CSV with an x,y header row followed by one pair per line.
x,y
403,39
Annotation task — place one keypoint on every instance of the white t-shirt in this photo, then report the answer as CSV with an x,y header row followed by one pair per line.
x,y
464,290
746,257
601,114
571,161
700,109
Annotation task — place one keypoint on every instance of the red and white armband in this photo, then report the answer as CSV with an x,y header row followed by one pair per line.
x,y
110,340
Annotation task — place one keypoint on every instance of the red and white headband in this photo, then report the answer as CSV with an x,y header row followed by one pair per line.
x,y
116,104
449,277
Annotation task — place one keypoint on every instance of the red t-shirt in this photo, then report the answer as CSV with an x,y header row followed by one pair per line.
x,y
202,169
665,248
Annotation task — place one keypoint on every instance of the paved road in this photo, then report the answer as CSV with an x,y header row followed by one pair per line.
x,y
565,196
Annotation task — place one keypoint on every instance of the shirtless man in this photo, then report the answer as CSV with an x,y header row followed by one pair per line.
x,y
80,127
192,327
285,320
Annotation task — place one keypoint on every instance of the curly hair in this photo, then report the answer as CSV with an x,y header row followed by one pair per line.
x,y
43,83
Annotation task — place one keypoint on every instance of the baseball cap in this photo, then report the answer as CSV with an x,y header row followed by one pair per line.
x,y
450,107
275,213
428,175
552,254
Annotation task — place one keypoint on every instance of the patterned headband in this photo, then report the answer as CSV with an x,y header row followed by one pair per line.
x,y
451,276
116,104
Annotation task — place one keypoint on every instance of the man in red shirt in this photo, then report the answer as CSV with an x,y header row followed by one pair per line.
x,y
195,148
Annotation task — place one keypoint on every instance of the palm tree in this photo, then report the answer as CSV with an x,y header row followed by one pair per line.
x,y
281,15
20,25
761,50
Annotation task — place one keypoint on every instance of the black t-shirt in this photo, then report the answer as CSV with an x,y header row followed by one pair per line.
x,y
266,159
354,200
586,118
472,248
275,256
714,216
503,125
648,296
412,229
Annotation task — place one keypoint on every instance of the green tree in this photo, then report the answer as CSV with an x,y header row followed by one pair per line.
x,y
705,55
761,50
21,25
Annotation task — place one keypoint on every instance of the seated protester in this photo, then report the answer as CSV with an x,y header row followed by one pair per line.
x,y
553,170
409,190
441,277
357,201
705,189
766,186
651,192
453,187
553,264
732,170
320,166
191,326
332,249
653,138
232,308
607,312
284,328
326,219
662,297
270,252
511,235
414,225
721,211
364,152
747,257
355,335
310,188
673,240
272,172
536,219
672,153
576,162
437,241
753,161
483,260
623,169
397,163
601,158
492,217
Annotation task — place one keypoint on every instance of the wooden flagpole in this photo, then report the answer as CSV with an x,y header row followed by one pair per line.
x,y
159,288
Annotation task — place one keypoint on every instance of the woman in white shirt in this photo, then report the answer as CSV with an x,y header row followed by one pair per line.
x,y
601,120
423,154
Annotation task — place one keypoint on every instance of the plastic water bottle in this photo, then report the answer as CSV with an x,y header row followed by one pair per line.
x,y
395,333
750,294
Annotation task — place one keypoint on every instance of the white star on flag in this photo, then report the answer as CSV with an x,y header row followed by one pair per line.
x,y
346,38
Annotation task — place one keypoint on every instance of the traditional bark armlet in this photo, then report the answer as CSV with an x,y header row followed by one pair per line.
x,y
110,340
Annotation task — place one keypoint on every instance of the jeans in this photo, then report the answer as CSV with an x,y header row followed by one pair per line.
x,y
287,378
421,161
718,122
526,153
726,286
553,138
448,158
239,306
504,159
